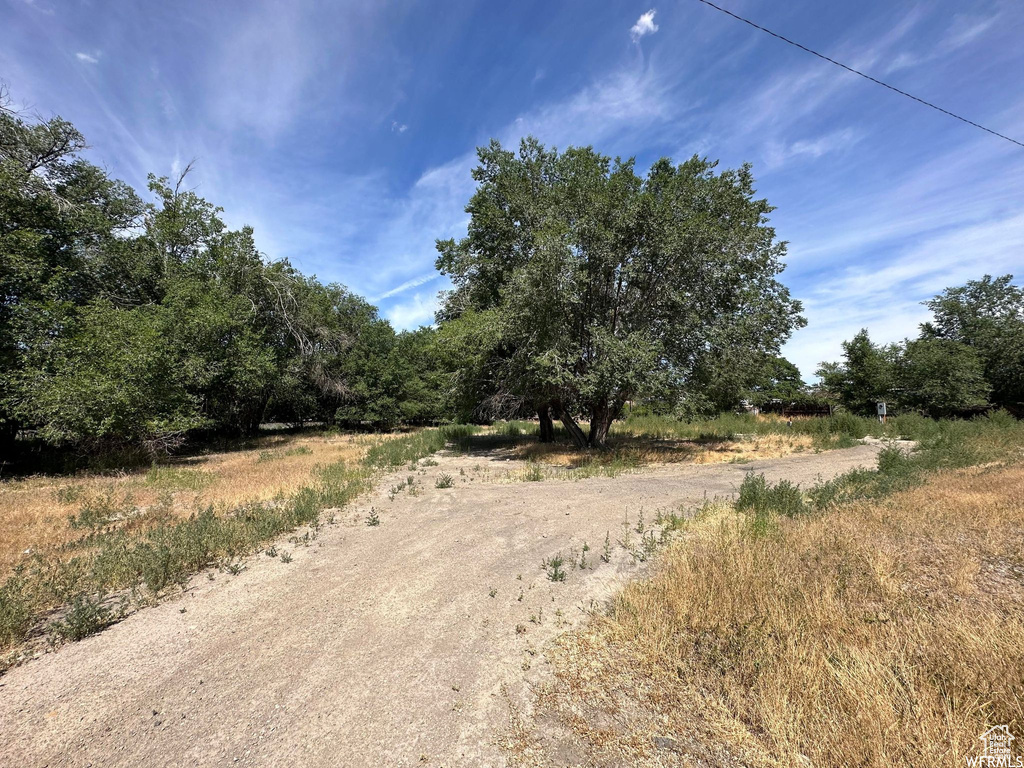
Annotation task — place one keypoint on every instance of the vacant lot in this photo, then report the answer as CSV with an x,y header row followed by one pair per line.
x,y
385,644
407,613
883,633
35,511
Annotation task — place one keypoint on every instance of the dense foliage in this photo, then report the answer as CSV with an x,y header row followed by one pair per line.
x,y
971,355
582,285
132,324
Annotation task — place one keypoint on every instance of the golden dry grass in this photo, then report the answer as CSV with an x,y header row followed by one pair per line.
x,y
646,451
886,633
34,511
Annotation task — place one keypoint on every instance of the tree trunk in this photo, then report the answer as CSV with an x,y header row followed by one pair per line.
x,y
578,438
601,419
547,427
600,422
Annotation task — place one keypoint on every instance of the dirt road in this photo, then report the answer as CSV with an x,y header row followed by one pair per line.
x,y
392,645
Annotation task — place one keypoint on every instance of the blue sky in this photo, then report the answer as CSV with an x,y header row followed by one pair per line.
x,y
345,132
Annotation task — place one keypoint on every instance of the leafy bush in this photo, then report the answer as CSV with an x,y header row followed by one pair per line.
x,y
85,616
759,497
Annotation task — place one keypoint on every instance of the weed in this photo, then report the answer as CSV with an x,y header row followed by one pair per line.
x,y
627,533
102,511
444,480
85,616
15,608
493,592
286,557
178,478
68,494
606,552
373,519
763,501
554,568
533,473
397,452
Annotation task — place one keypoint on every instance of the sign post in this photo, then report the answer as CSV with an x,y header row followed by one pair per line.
x,y
881,411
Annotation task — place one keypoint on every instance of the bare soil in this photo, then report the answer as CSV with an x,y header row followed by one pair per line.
x,y
407,643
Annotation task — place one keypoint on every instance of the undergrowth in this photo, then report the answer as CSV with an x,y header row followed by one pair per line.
x,y
941,445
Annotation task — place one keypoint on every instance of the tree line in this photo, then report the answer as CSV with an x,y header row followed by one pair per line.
x,y
580,286
968,357
127,323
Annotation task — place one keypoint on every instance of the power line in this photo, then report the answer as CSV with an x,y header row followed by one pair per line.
x,y
858,72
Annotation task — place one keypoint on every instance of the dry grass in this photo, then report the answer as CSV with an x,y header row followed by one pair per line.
x,y
642,451
34,511
885,633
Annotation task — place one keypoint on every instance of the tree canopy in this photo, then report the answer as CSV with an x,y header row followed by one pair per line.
x,y
970,355
132,324
581,284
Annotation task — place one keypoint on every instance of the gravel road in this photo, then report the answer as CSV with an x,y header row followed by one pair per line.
x,y
395,645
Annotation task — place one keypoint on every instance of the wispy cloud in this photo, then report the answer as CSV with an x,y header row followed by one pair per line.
x,y
644,26
778,153
963,31
291,110
415,312
887,299
413,283
37,6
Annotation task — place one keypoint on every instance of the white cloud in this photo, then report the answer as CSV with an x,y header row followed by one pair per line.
x,y
777,153
35,5
644,26
963,31
887,300
610,111
413,283
88,59
397,127
414,313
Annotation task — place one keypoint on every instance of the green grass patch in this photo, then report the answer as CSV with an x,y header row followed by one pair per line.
x,y
399,451
178,478
948,444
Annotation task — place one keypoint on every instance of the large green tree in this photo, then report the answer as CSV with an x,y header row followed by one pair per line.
x,y
866,376
941,377
583,284
62,222
986,315
127,324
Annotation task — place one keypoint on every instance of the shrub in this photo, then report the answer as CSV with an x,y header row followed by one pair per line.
x,y
85,616
15,609
764,501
